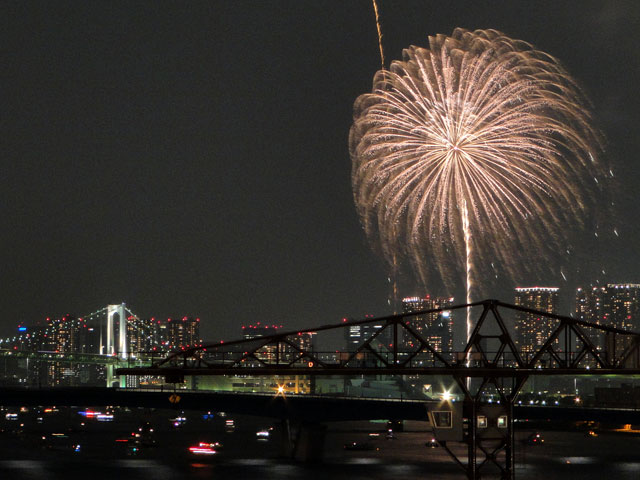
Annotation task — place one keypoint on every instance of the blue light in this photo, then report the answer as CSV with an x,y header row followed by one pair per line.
x,y
22,329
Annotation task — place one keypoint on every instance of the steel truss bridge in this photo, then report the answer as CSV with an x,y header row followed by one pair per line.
x,y
490,365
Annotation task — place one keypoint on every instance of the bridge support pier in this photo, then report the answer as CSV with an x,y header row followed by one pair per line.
x,y
488,399
113,379
286,440
304,441
488,427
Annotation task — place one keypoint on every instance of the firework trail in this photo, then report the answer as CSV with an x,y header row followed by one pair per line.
x,y
375,10
474,156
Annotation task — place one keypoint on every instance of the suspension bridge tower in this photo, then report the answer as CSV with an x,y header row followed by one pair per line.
x,y
116,344
116,337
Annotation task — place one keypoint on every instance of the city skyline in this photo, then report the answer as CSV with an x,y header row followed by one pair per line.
x,y
591,304
72,351
196,160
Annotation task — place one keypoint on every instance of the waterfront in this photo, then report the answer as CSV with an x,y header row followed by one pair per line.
x,y
31,451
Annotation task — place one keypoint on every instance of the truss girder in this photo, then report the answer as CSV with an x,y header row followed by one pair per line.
x,y
552,357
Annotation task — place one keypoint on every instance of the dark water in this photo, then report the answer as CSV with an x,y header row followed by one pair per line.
x,y
25,454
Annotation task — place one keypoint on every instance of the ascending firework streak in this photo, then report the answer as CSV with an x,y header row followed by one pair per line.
x,y
472,156
375,10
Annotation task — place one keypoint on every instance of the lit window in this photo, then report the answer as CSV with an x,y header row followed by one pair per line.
x,y
502,421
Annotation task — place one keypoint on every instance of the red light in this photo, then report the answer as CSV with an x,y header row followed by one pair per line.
x,y
202,450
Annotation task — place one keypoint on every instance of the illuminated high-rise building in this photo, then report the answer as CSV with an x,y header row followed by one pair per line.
x,y
268,353
356,335
616,305
66,335
30,338
591,306
63,335
273,353
304,341
141,335
435,327
176,334
532,330
259,330
624,305
57,337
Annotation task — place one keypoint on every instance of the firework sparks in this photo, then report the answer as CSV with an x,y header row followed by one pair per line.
x,y
478,151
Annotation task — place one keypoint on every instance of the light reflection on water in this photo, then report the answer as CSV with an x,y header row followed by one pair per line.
x,y
578,460
564,455
629,467
265,469
363,461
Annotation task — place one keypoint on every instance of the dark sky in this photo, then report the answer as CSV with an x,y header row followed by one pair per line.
x,y
191,157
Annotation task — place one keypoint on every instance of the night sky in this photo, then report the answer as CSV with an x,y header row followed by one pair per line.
x,y
191,158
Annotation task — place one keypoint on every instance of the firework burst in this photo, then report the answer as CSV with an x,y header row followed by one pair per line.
x,y
472,157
